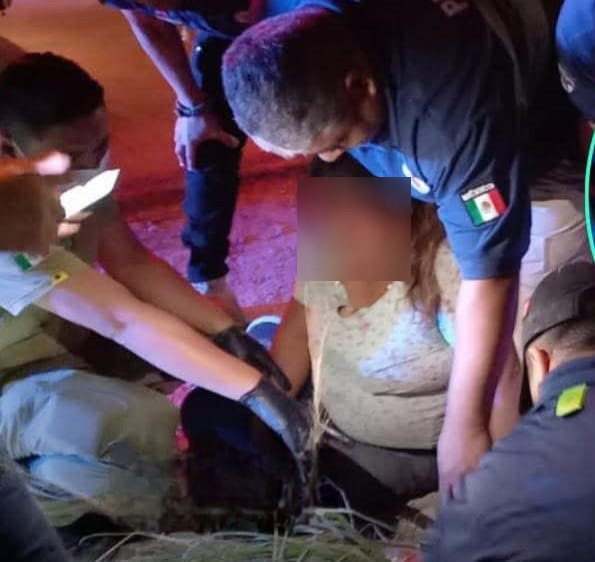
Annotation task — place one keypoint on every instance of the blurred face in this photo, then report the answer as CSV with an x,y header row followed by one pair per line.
x,y
350,234
367,118
85,140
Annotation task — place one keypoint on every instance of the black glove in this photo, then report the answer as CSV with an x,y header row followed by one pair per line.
x,y
281,413
237,342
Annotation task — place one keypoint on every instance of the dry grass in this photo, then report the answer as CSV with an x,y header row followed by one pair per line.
x,y
327,535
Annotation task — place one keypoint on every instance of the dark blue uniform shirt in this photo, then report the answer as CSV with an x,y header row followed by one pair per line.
x,y
532,498
453,126
217,17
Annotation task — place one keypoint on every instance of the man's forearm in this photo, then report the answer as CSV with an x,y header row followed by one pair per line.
x,y
99,303
156,282
484,324
486,311
164,46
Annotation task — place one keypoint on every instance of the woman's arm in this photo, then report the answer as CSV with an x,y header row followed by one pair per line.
x,y
97,302
290,347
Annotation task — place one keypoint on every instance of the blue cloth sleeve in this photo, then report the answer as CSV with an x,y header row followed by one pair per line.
x,y
488,159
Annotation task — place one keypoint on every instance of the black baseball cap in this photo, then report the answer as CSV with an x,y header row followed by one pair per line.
x,y
562,296
575,38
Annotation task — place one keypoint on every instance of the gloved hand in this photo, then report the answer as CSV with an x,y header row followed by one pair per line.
x,y
238,343
282,414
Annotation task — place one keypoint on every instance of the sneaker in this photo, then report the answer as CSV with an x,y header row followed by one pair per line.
x,y
219,291
263,329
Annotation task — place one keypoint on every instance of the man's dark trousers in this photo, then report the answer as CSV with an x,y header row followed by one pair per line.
x,y
211,190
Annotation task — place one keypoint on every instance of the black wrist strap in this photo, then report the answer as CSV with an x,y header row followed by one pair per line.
x,y
196,110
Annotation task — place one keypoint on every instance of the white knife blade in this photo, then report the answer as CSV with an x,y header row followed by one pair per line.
x,y
81,197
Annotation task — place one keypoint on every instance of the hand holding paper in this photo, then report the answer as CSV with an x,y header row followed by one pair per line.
x,y
31,211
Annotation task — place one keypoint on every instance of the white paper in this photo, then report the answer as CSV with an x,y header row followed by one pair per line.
x,y
81,197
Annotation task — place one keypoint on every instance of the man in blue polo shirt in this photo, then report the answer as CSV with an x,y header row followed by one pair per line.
x,y
575,38
532,497
442,92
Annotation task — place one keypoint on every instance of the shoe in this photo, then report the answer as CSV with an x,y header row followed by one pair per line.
x,y
219,291
263,329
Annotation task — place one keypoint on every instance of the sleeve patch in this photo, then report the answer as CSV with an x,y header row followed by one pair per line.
x,y
571,401
483,204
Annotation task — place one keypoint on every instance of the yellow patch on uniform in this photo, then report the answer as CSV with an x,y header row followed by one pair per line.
x,y
571,401
59,277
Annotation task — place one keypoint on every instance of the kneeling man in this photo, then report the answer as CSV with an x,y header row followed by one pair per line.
x,y
533,495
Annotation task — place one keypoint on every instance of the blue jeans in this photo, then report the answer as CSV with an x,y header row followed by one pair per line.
x,y
211,190
89,444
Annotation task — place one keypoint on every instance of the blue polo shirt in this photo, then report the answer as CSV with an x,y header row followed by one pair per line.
x,y
452,126
532,498
217,17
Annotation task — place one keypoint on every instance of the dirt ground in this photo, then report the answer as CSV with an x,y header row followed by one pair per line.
x,y
263,254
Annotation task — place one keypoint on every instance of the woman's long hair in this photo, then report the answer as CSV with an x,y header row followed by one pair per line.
x,y
427,235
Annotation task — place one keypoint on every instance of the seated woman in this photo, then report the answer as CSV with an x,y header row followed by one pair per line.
x,y
379,351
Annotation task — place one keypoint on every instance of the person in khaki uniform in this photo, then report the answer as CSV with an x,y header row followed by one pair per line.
x,y
89,442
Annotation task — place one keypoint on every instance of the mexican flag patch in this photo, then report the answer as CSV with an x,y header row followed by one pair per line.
x,y
484,204
27,261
